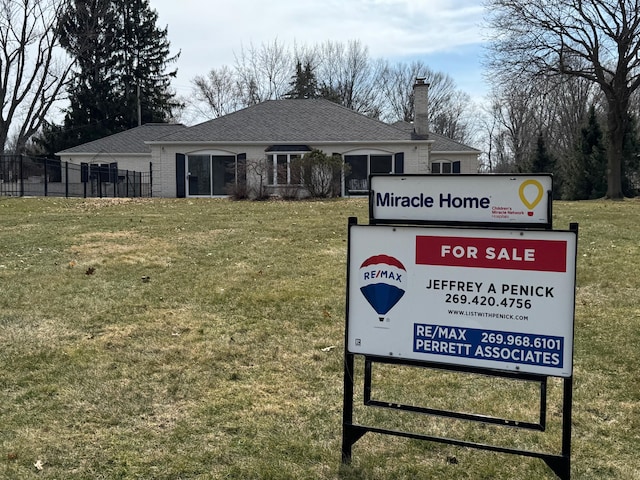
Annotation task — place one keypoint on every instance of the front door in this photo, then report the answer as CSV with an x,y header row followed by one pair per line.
x,y
199,175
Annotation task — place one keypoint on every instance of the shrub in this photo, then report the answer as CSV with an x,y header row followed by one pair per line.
x,y
321,174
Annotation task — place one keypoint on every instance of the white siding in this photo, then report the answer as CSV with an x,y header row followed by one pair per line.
x,y
416,158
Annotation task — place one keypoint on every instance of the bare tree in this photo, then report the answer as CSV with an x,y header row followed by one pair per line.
x,y
598,40
396,83
348,76
33,71
218,91
263,72
512,110
568,101
450,109
522,112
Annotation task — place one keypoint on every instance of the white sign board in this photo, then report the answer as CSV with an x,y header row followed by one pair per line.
x,y
519,199
483,298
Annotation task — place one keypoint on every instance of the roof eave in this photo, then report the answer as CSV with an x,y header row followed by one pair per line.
x,y
457,152
293,142
101,154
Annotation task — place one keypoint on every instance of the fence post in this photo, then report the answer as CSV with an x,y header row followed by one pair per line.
x,y
21,178
46,183
150,179
66,179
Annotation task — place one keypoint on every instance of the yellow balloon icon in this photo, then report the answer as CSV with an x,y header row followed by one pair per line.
x,y
527,198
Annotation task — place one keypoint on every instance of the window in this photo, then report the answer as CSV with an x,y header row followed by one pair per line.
x,y
361,166
210,174
281,168
445,166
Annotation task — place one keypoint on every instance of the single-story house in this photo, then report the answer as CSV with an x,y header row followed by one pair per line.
x,y
205,159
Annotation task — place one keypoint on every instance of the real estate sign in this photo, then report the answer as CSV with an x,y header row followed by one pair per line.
x,y
488,298
514,199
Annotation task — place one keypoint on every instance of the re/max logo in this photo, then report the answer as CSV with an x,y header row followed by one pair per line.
x,y
375,274
445,200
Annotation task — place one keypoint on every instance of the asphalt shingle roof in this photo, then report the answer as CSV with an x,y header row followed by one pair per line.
x,y
291,121
129,141
304,121
440,142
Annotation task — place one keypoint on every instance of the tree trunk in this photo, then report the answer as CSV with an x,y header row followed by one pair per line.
x,y
616,119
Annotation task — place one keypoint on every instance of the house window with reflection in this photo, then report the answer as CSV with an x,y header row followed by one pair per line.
x,y
282,160
360,166
210,174
445,166
281,169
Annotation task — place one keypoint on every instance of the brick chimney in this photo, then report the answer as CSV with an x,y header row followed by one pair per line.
x,y
421,107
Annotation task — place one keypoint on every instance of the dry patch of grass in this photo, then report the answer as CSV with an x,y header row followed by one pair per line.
x,y
127,247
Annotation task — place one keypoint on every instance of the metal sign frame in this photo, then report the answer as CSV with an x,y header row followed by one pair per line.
x,y
560,463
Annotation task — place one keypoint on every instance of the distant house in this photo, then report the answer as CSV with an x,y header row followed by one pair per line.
x,y
203,160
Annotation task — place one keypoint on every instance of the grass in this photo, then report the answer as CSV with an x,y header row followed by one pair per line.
x,y
187,339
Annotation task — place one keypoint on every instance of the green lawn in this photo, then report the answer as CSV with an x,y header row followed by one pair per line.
x,y
183,339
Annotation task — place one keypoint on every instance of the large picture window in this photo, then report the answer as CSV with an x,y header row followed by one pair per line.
x,y
281,168
361,166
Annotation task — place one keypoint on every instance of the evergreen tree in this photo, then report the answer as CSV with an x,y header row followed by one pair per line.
x,y
595,155
88,35
631,163
587,175
121,78
303,83
143,55
542,161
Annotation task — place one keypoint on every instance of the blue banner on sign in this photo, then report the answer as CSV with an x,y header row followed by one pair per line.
x,y
493,345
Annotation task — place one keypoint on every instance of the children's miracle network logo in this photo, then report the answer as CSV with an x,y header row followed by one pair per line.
x,y
531,193
383,281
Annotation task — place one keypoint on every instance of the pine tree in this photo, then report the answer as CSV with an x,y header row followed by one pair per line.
x,y
89,34
121,79
595,157
587,174
303,83
631,163
143,56
542,161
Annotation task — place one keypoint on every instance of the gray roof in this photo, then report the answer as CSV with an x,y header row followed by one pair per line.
x,y
299,122
291,121
440,142
129,141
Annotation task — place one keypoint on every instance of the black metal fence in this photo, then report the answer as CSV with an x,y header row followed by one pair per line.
x,y
22,176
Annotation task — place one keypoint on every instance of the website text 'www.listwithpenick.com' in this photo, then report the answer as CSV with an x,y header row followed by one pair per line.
x,y
499,316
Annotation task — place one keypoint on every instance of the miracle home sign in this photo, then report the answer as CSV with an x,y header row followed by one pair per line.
x,y
461,199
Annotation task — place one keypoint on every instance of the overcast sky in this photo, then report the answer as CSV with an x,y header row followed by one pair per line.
x,y
444,34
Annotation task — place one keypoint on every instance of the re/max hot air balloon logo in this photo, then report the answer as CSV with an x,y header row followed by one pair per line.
x,y
383,281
